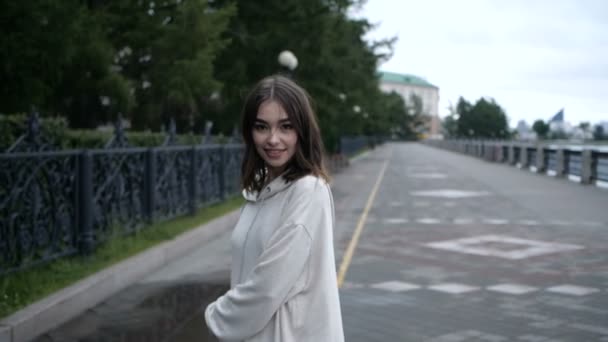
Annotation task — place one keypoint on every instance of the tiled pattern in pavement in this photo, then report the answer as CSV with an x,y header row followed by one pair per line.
x,y
457,288
502,246
450,193
482,221
484,297
515,289
453,288
428,175
395,286
574,290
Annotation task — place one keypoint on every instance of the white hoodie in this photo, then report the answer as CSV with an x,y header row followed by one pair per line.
x,y
283,280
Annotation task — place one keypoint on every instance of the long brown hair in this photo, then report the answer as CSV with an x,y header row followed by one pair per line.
x,y
308,158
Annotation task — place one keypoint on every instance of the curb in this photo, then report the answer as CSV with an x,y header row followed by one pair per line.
x,y
360,156
63,305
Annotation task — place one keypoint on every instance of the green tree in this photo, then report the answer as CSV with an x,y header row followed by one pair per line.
x,y
466,121
541,128
191,60
485,119
419,119
397,120
450,123
40,44
333,59
598,132
167,50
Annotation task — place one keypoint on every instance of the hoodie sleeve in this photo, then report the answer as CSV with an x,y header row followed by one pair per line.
x,y
247,308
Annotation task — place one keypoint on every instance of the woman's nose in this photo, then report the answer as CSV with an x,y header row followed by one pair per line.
x,y
273,138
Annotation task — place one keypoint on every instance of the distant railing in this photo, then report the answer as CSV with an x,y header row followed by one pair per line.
x,y
600,166
586,165
351,145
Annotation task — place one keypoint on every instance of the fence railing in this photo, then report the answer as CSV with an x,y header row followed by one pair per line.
x,y
351,145
584,165
60,203
57,203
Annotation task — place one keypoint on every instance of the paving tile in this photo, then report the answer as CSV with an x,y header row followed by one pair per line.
x,y
453,288
573,290
495,221
514,289
450,193
428,220
395,220
395,286
527,248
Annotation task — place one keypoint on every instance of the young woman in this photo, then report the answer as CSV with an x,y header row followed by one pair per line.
x,y
283,279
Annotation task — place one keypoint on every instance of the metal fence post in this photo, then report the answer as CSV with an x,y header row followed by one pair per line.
x,y
222,172
150,184
511,157
540,159
193,189
586,167
85,202
560,158
523,156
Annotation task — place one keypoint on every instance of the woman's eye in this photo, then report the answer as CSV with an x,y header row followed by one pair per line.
x,y
259,127
287,126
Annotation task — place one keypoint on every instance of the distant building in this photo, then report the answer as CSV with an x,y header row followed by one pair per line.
x,y
524,131
557,123
408,85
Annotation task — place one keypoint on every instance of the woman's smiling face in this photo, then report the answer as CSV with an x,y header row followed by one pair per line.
x,y
274,137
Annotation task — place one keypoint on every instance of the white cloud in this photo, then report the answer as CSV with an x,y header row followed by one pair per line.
x,y
533,57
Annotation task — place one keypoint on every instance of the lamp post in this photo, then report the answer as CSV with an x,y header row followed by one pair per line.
x,y
288,61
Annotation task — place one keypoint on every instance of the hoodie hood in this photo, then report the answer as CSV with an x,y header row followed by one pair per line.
x,y
277,185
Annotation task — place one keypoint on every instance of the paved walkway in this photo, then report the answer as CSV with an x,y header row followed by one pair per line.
x,y
452,249
457,249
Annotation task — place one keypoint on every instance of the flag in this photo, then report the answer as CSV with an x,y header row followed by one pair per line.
x,y
558,117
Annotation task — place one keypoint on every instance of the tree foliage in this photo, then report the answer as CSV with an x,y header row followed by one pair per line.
x,y
484,119
193,60
450,123
541,128
599,133
333,57
167,51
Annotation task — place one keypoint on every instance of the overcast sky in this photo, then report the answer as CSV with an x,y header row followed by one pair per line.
x,y
533,57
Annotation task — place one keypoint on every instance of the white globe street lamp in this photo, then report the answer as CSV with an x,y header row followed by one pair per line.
x,y
288,61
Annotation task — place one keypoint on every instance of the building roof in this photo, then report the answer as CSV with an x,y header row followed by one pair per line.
x,y
408,79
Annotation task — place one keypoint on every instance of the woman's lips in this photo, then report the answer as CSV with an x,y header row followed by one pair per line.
x,y
274,153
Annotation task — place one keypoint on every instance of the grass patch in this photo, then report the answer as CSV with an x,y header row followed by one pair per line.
x,y
359,152
23,288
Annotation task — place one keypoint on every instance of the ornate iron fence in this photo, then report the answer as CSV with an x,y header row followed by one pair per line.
x,y
59,203
54,204
38,207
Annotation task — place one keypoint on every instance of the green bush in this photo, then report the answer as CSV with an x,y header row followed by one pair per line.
x,y
10,125
76,139
14,126
57,133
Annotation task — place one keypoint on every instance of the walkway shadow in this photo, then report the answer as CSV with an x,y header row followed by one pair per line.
x,y
167,311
